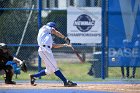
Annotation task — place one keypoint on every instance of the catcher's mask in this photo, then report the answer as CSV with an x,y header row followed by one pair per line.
x,y
3,46
51,24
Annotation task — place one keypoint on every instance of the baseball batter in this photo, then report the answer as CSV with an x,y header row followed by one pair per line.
x,y
45,43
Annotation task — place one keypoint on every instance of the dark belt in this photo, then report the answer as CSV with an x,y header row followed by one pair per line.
x,y
47,46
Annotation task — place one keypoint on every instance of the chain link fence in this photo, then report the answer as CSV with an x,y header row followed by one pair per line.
x,y
19,24
19,28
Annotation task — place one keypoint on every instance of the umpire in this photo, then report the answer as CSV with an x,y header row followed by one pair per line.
x,y
5,56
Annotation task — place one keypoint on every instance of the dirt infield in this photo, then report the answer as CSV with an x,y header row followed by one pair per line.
x,y
121,88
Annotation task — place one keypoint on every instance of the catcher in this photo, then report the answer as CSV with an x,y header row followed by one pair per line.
x,y
5,56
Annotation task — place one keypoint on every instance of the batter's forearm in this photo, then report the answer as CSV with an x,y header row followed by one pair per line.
x,y
60,45
60,35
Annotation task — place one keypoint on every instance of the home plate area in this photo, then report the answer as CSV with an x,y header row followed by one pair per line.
x,y
83,87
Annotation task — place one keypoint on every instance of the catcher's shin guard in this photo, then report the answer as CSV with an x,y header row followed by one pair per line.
x,y
9,74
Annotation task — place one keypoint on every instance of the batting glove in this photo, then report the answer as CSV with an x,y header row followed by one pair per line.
x,y
67,40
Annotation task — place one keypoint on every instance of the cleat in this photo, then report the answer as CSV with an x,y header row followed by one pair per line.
x,y
32,80
10,82
70,84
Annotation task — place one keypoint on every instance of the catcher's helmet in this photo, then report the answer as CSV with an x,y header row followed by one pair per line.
x,y
51,24
3,46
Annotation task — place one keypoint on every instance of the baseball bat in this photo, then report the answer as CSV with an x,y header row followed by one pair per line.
x,y
78,55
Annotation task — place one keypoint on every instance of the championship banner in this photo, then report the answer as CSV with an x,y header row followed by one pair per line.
x,y
84,25
124,32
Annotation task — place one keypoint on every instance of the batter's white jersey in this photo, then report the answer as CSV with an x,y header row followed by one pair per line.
x,y
45,41
44,36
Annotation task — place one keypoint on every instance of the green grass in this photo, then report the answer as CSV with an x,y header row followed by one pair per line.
x,y
72,71
115,72
75,72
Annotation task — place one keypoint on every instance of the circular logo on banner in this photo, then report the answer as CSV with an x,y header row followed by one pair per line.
x,y
84,23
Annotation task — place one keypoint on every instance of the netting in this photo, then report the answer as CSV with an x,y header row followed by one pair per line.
x,y
19,20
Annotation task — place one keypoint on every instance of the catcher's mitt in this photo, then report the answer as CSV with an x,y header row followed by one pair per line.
x,y
23,67
67,40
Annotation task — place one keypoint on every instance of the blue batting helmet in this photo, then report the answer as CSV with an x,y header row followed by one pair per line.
x,y
51,24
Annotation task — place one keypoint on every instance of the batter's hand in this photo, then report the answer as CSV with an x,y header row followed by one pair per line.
x,y
67,40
